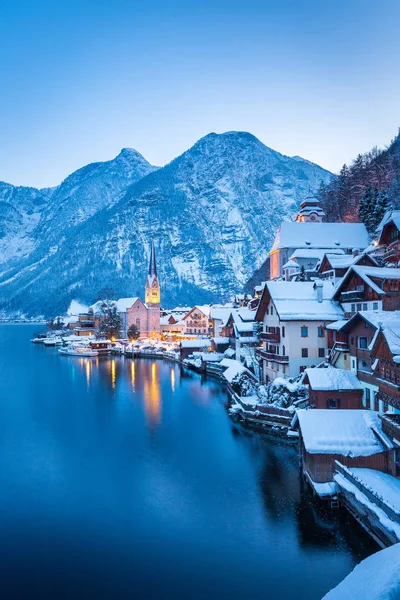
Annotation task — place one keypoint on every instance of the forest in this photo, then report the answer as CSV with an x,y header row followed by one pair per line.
x,y
364,190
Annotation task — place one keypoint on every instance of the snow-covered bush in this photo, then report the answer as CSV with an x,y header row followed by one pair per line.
x,y
282,393
243,385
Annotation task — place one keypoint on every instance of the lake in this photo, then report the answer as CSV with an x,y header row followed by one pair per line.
x,y
127,479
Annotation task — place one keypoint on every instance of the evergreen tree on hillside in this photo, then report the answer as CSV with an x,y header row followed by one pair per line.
x,y
367,207
381,207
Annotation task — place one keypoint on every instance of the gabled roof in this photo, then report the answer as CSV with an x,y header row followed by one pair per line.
x,y
391,332
124,303
388,216
345,432
314,252
297,301
205,309
366,273
330,378
321,235
373,317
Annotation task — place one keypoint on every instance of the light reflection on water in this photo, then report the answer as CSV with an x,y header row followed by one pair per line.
x,y
162,496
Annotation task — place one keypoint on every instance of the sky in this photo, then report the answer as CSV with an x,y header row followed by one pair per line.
x,y
79,80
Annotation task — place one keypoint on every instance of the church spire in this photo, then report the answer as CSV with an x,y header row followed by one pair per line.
x,y
152,263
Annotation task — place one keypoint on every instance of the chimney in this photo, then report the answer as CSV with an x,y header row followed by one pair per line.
x,y
319,288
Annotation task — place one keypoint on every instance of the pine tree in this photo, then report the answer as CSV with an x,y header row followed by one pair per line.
x,y
133,332
302,274
382,205
366,210
110,322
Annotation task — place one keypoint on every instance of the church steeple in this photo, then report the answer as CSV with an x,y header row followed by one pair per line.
x,y
152,263
152,295
311,210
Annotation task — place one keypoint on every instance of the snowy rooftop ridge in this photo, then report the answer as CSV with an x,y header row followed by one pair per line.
x,y
321,235
345,432
332,379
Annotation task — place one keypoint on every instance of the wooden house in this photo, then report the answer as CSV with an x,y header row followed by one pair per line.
x,y
333,388
334,266
369,288
355,438
389,239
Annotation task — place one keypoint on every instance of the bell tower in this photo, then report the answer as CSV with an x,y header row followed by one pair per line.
x,y
152,296
311,210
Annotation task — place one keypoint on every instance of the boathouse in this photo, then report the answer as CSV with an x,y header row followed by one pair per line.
x,y
333,388
353,437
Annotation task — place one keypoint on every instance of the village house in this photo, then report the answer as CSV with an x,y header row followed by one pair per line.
x,y
333,388
309,233
389,238
355,438
369,288
350,349
385,356
172,325
198,321
294,316
187,347
333,266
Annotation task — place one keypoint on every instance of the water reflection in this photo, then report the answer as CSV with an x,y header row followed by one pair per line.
x,y
113,373
173,380
152,398
133,375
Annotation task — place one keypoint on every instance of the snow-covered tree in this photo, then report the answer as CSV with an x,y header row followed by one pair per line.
x,y
110,321
133,332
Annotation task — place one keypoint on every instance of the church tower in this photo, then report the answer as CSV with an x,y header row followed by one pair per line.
x,y
152,297
311,210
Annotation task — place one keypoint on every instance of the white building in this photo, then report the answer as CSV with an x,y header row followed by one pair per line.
x,y
294,316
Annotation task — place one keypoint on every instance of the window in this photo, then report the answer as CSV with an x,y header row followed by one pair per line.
x,y
359,306
283,331
352,340
353,308
365,306
267,311
333,403
304,331
138,324
345,356
304,352
366,324
321,332
283,350
367,394
272,310
321,352
362,343
375,306
283,368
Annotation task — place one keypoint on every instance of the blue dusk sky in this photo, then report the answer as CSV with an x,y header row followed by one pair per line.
x,y
82,79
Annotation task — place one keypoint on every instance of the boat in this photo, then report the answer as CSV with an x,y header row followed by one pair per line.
x,y
52,341
39,339
82,352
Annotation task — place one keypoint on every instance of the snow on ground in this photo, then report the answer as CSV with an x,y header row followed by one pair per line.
x,y
383,485
75,308
375,578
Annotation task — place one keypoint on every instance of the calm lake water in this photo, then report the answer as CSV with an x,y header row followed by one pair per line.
x,y
127,479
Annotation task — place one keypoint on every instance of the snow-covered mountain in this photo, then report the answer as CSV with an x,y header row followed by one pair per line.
x,y
212,213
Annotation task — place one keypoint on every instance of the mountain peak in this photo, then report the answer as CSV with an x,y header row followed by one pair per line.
x,y
130,154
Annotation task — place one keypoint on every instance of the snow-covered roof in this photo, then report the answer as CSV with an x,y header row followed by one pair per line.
x,y
297,301
375,578
391,331
321,235
124,303
345,432
246,314
195,343
336,325
220,313
220,340
234,367
97,307
341,262
389,216
377,273
314,253
291,264
332,379
204,308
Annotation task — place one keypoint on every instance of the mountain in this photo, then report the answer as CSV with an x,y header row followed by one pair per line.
x,y
213,213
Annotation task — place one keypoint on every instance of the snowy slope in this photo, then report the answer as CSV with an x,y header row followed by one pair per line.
x,y
213,213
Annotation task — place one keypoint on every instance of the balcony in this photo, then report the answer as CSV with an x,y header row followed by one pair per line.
x,y
269,336
280,358
352,295
392,251
391,424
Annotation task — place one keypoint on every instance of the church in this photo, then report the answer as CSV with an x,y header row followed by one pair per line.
x,y
308,238
144,315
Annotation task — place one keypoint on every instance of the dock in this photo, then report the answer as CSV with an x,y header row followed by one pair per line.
x,y
373,499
